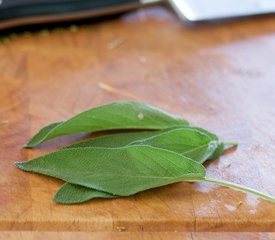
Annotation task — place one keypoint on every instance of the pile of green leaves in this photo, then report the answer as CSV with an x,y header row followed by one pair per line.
x,y
165,150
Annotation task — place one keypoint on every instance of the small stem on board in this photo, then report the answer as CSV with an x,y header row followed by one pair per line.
x,y
236,186
230,144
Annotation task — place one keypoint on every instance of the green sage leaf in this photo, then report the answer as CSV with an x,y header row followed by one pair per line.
x,y
120,171
115,140
117,115
71,193
186,141
190,142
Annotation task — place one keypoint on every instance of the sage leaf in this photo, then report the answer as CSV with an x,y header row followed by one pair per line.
x,y
117,115
115,140
71,193
120,171
221,146
187,141
190,142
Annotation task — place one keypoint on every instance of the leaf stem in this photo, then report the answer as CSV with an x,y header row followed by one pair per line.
x,y
236,186
230,144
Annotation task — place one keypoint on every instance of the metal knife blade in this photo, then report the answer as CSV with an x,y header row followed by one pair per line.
x,y
202,10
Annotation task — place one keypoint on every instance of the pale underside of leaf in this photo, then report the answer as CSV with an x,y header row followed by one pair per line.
x,y
118,115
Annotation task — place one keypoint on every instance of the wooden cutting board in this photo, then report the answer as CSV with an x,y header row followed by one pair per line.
x,y
31,235
220,77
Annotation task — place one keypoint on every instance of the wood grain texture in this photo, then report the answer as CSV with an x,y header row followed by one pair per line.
x,y
135,236
219,76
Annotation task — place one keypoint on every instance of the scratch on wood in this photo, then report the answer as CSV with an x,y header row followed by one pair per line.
x,y
120,228
240,203
112,89
194,215
228,165
143,59
3,122
115,43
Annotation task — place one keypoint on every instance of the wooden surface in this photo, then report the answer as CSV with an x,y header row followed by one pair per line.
x,y
218,76
27,235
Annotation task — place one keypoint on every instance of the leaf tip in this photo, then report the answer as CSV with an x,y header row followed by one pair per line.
x,y
55,199
59,200
20,165
27,145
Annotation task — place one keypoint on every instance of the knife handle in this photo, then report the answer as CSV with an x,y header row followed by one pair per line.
x,y
18,12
